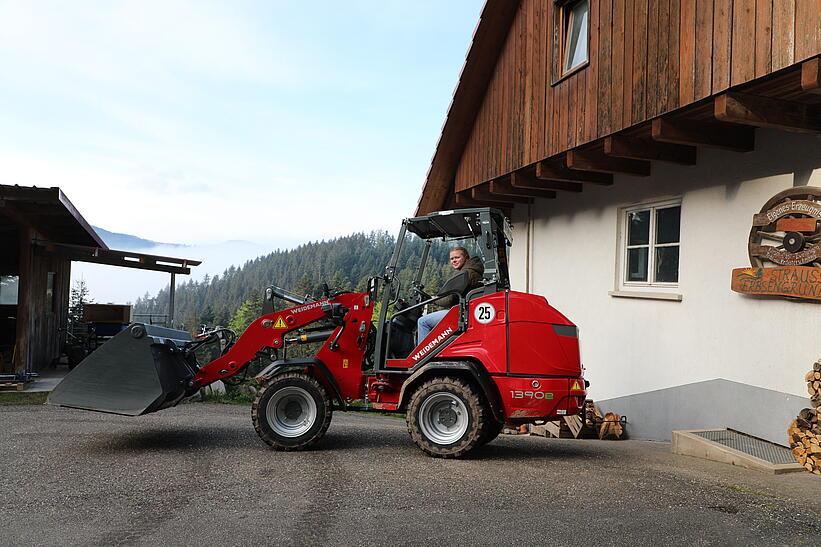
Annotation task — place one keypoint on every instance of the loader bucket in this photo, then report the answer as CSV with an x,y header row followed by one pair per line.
x,y
140,370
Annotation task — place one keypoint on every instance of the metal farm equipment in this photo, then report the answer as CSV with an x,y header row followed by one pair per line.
x,y
498,356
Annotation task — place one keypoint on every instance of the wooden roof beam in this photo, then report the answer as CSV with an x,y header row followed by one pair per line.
x,y
599,162
483,193
560,173
643,149
758,111
716,135
510,187
125,259
811,75
543,180
463,199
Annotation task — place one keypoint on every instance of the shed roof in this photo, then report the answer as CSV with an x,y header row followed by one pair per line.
x,y
49,212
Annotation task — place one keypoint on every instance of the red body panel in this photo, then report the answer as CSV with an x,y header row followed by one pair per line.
x,y
524,398
535,347
485,343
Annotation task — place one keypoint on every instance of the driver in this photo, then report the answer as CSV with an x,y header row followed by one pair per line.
x,y
460,260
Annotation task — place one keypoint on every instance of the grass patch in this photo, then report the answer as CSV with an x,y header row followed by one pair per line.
x,y
22,398
749,491
398,415
228,398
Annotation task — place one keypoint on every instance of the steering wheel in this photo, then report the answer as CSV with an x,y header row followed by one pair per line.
x,y
418,290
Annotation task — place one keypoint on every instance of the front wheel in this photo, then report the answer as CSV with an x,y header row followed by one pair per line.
x,y
292,412
446,417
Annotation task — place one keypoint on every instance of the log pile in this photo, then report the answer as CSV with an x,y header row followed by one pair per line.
x,y
608,426
611,427
589,425
804,433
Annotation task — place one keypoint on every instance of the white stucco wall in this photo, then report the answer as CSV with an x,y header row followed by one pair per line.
x,y
631,346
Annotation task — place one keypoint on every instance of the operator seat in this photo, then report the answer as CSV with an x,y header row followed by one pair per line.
x,y
403,331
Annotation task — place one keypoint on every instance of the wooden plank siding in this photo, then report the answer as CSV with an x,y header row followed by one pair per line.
x,y
647,58
40,316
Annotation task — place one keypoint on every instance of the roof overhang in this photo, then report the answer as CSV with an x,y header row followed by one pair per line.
x,y
485,48
47,211
123,259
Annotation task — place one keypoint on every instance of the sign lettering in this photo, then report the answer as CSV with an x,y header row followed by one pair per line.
x,y
795,281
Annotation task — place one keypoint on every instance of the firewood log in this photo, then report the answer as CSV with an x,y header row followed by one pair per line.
x,y
804,433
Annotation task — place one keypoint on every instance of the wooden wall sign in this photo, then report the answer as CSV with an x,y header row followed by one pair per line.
x,y
784,247
794,281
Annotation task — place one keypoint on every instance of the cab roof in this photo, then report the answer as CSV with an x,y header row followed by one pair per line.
x,y
458,224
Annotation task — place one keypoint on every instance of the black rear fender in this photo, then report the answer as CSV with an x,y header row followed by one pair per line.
x,y
467,370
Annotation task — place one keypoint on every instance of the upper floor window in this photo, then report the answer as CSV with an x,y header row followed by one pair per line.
x,y
575,17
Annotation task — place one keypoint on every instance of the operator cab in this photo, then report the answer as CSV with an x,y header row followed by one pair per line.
x,y
491,235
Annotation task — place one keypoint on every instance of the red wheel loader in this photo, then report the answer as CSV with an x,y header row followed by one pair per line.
x,y
499,356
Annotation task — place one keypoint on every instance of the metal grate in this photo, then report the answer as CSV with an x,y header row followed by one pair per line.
x,y
759,448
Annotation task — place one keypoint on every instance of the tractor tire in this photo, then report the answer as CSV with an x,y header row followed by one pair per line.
x,y
491,431
446,417
292,412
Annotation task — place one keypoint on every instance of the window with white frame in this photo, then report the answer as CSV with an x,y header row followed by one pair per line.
x,y
651,238
574,34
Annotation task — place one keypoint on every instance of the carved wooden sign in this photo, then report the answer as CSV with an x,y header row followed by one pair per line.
x,y
784,247
794,281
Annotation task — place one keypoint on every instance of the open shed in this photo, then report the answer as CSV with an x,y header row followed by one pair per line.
x,y
41,233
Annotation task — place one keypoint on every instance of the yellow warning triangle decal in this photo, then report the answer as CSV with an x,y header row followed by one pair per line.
x,y
576,386
280,324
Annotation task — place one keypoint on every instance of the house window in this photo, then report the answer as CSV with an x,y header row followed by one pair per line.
x,y
650,245
575,17
8,290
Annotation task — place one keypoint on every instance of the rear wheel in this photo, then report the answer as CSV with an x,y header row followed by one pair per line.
x,y
292,412
446,417
491,431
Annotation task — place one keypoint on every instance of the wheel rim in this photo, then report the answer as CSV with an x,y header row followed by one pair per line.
x,y
443,418
291,412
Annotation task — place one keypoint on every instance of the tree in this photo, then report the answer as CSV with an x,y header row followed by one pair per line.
x,y
249,311
78,298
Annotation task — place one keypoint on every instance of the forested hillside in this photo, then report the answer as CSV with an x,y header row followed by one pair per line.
x,y
234,298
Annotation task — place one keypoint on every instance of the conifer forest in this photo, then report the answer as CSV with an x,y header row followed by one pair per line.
x,y
234,299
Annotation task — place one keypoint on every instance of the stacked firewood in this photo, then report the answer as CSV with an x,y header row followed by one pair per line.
x,y
805,431
611,427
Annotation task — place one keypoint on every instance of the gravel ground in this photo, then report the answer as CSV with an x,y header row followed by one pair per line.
x,y
198,474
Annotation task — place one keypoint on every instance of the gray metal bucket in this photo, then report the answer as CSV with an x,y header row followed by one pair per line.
x,y
140,370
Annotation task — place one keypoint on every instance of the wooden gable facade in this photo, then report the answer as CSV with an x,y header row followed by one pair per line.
x,y
663,76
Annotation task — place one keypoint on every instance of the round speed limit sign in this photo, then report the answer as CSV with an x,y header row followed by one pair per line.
x,y
484,313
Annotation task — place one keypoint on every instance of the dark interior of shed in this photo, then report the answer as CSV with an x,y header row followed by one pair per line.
x,y
9,269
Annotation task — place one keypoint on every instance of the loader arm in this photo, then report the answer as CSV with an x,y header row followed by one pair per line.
x,y
267,331
148,368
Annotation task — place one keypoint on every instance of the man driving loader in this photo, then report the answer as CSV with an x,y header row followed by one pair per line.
x,y
464,265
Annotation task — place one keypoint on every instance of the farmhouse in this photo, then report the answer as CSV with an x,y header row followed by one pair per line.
x,y
632,142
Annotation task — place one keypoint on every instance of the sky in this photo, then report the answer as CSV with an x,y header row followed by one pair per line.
x,y
198,122
271,122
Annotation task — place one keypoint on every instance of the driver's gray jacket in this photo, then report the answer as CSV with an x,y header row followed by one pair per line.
x,y
475,269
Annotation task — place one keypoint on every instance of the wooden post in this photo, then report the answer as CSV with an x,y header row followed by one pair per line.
x,y
22,353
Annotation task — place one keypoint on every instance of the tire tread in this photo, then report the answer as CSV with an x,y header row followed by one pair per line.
x,y
304,442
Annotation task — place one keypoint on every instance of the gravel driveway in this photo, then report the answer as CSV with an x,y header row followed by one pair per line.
x,y
198,475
